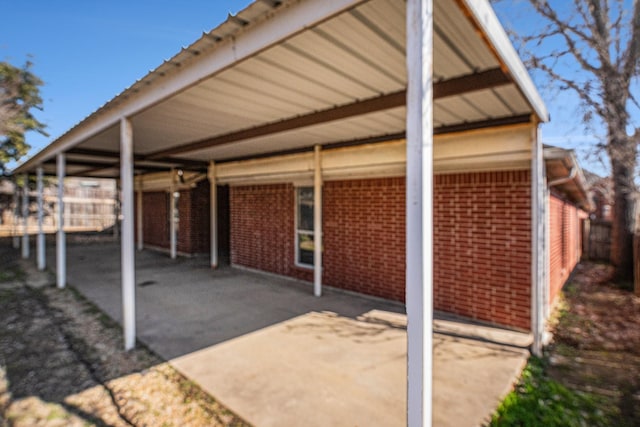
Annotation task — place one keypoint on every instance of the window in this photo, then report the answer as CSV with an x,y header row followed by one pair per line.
x,y
304,226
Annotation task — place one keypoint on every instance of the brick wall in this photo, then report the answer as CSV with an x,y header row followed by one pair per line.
x,y
193,228
482,231
184,241
482,248
565,242
198,225
155,223
262,229
364,236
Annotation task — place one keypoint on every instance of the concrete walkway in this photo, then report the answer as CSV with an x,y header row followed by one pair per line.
x,y
277,356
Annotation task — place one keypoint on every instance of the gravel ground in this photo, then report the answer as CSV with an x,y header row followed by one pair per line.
x,y
61,364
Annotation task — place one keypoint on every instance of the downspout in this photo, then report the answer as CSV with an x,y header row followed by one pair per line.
x,y
173,231
547,249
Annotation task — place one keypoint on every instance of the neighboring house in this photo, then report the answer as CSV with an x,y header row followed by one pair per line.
x,y
294,136
89,205
601,193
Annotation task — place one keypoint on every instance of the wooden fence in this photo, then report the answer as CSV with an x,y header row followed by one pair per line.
x,y
636,264
596,243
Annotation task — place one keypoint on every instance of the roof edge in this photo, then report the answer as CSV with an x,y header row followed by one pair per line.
x,y
234,38
557,153
483,16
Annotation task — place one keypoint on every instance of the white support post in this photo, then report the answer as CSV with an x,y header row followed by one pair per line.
x,y
213,207
25,216
547,250
139,223
317,222
173,231
419,216
15,218
537,244
126,239
61,241
117,209
40,241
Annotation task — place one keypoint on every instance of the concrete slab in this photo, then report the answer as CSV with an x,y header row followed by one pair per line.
x,y
276,355
318,369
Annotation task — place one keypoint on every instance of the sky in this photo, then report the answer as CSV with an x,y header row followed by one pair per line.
x,y
88,51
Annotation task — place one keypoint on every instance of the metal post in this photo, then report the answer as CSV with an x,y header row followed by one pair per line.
x,y
61,241
116,213
15,218
537,244
40,241
126,240
173,232
213,207
317,222
419,216
139,224
25,216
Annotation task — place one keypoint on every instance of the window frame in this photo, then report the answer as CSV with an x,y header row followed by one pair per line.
x,y
298,232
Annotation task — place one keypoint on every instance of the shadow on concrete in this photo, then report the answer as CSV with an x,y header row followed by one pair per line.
x,y
184,306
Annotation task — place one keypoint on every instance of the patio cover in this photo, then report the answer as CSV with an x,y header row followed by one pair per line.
x,y
283,76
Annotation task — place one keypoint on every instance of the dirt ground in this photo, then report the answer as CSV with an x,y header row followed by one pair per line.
x,y
597,342
61,364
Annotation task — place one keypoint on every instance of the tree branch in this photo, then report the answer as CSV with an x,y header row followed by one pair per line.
x,y
564,28
632,54
582,92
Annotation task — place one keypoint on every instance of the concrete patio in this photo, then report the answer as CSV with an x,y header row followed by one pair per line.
x,y
278,356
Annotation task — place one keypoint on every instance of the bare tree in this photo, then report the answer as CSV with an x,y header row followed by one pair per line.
x,y
592,48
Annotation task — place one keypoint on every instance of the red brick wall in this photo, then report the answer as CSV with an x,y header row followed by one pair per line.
x,y
185,213
198,227
262,229
193,228
155,223
482,231
364,236
565,242
482,249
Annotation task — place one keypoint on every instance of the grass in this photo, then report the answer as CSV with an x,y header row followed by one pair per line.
x,y
538,400
11,273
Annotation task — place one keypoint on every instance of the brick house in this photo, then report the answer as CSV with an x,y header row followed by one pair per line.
x,y
482,224
568,204
382,147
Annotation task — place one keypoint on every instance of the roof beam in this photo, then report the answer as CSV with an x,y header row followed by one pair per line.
x,y
472,82
137,168
138,157
328,146
456,86
442,130
482,124
83,163
384,102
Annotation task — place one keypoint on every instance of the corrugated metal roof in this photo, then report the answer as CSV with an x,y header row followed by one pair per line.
x,y
356,55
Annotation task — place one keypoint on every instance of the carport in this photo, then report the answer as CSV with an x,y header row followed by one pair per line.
x,y
286,77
